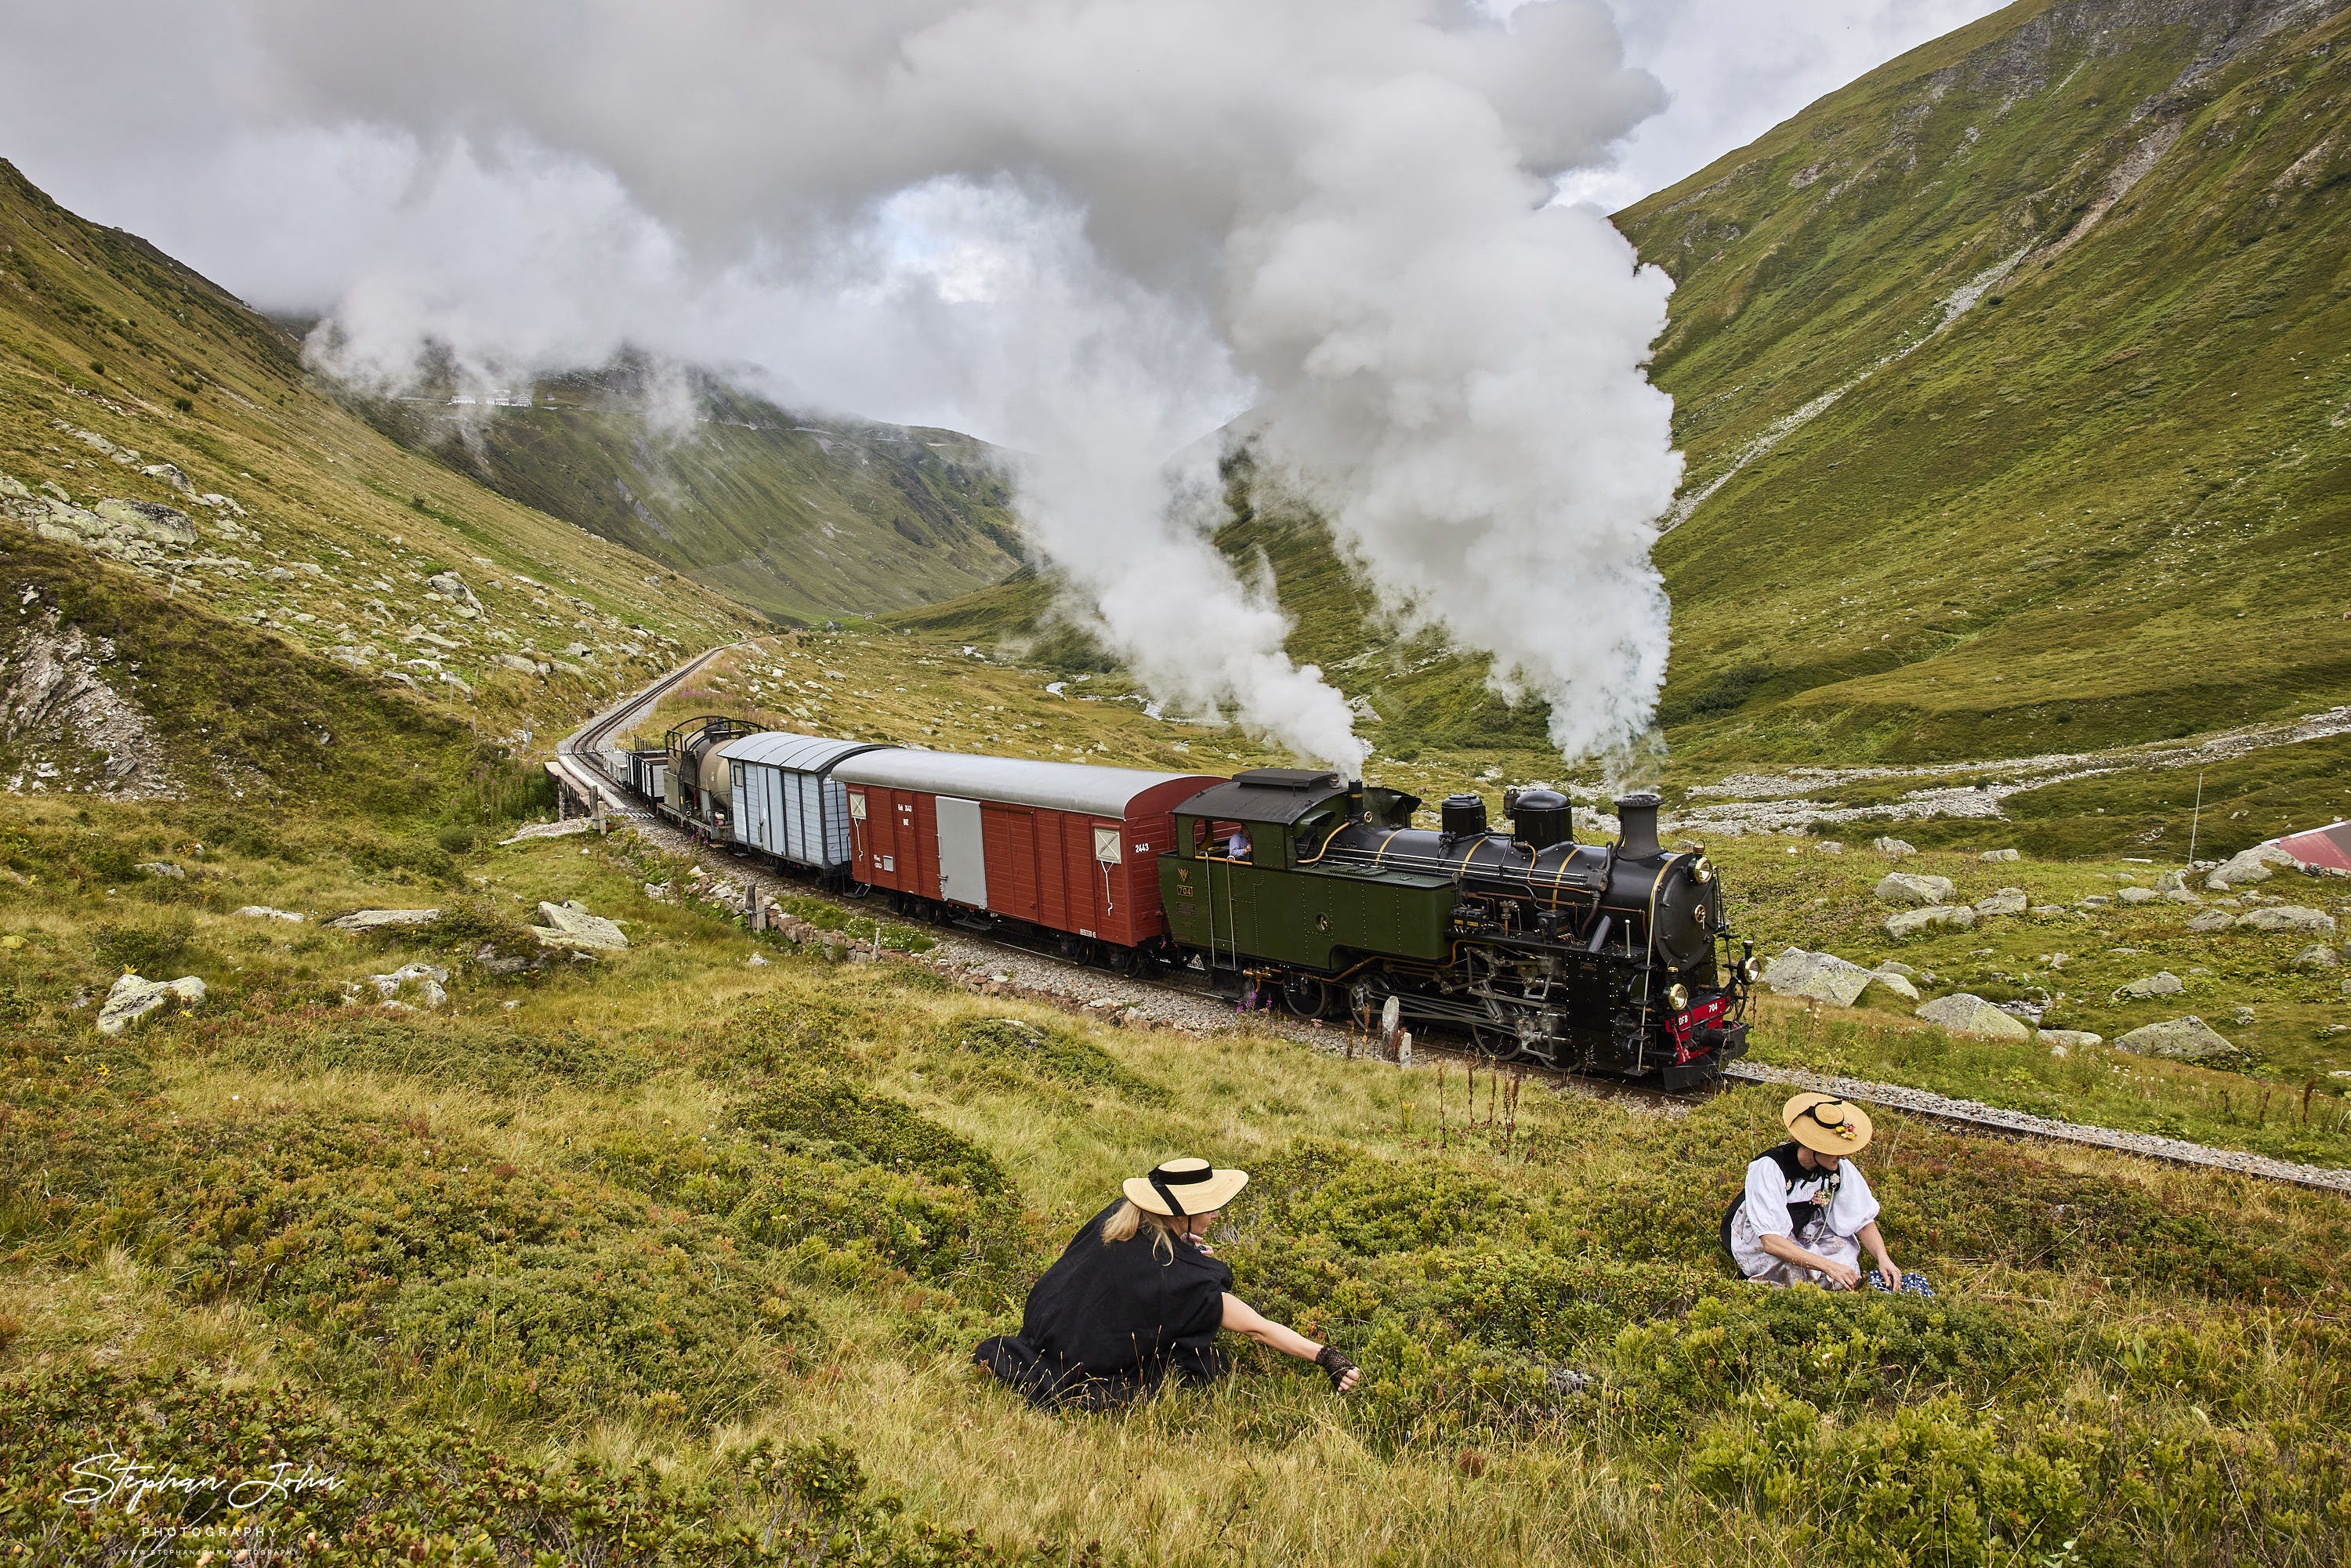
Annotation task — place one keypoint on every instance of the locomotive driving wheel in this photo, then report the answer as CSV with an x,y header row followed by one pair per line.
x,y
1494,1035
1307,996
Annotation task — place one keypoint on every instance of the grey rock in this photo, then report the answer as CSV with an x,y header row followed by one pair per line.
x,y
1830,847
1894,985
262,912
1964,1013
1894,847
2170,879
376,919
2212,920
425,980
2317,956
170,474
2070,1038
569,924
2180,895
1891,966
163,869
1990,855
2250,865
2095,901
2006,901
2162,983
2186,1039
150,520
1902,887
2139,895
1910,922
516,661
130,998
2287,917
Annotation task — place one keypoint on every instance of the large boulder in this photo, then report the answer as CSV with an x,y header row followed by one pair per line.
x,y
2249,865
571,925
262,912
1905,887
1962,1013
2162,983
1894,847
2139,895
2059,1040
1894,985
1910,922
1990,855
376,919
2006,901
1822,977
150,520
2211,920
2287,917
2179,895
130,998
2317,956
2186,1039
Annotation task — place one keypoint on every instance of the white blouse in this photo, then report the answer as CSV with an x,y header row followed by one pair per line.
x,y
1769,1191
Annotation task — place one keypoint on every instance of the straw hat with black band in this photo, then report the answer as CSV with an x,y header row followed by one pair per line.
x,y
1827,1124
1180,1188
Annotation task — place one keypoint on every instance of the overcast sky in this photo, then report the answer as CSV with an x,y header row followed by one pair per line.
x,y
192,144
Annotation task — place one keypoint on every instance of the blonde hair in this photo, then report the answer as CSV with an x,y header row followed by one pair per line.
x,y
1129,1218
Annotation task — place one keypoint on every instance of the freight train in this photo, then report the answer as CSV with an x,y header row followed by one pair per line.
x,y
1289,882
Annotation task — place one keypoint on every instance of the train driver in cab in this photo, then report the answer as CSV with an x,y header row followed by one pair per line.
x,y
1236,847
1807,1212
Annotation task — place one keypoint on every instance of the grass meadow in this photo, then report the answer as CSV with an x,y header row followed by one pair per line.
x,y
669,1256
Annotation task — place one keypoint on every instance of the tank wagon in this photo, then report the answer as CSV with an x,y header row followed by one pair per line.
x,y
1289,882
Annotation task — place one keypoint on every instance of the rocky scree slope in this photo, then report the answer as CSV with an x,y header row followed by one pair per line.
x,y
801,516
2014,383
161,442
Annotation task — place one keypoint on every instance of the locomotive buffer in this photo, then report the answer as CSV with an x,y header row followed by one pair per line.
x,y
1603,958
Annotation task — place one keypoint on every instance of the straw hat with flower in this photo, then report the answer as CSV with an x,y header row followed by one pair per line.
x,y
1827,1124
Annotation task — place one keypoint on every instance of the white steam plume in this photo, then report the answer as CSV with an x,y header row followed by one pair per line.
x,y
1093,230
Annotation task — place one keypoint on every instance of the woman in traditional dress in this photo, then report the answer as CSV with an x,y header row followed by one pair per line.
x,y
1807,1212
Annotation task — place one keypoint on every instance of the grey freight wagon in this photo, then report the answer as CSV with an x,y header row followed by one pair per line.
x,y
788,804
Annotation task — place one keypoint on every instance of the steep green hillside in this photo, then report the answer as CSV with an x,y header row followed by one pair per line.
x,y
799,515
2015,386
165,458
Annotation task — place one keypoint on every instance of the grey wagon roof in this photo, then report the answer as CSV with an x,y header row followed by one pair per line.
x,y
1056,786
1240,801
800,753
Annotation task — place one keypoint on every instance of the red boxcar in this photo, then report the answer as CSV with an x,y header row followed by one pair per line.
x,y
1061,845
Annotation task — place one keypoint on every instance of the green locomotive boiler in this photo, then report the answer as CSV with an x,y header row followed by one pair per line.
x,y
1608,959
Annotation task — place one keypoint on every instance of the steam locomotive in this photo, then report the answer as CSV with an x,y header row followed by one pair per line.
x,y
1289,882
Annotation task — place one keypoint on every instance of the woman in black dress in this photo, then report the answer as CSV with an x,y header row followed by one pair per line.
x,y
1137,1297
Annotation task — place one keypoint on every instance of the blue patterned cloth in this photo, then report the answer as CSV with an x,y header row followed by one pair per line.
x,y
1912,1284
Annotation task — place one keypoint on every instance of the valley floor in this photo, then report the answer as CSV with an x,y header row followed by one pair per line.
x,y
666,1253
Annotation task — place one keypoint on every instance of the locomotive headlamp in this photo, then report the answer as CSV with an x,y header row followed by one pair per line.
x,y
1701,871
1678,997
1751,970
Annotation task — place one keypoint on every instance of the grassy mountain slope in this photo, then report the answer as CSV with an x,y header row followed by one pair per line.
x,y
800,516
127,381
2014,383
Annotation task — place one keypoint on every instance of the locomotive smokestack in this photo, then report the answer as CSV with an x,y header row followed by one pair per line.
x,y
1636,831
1354,799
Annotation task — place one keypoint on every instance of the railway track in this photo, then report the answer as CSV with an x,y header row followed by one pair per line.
x,y
570,769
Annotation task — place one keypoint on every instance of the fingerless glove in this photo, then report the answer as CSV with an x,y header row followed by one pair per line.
x,y
1332,1360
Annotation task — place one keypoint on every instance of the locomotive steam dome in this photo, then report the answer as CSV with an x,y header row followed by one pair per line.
x,y
1462,816
1541,818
